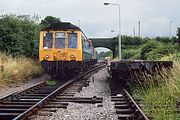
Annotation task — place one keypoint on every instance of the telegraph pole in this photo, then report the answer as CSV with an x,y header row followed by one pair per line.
x,y
139,28
134,32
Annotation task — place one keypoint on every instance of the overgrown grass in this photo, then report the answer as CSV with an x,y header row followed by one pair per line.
x,y
159,93
17,69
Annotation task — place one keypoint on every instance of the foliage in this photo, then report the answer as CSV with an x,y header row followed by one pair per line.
x,y
154,50
103,55
133,41
17,69
147,48
131,53
164,39
159,93
49,20
18,34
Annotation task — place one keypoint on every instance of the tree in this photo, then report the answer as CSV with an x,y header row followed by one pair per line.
x,y
18,34
49,20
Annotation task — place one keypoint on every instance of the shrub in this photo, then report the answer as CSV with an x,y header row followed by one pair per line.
x,y
17,69
131,53
154,50
18,34
148,47
134,41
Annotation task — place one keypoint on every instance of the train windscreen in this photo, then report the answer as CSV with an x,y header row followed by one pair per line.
x,y
60,40
72,40
47,40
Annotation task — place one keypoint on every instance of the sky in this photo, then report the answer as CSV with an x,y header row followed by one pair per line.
x,y
98,20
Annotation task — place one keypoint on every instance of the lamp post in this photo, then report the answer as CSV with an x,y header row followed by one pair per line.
x,y
119,27
170,25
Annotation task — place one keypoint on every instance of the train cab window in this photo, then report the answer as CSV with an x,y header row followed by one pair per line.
x,y
60,40
83,42
47,40
72,40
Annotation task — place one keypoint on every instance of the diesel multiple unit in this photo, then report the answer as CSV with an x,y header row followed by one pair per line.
x,y
64,50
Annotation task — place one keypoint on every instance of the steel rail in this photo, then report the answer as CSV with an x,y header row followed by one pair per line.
x,y
136,105
45,100
17,93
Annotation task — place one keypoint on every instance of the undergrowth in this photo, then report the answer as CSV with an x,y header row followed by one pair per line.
x,y
17,69
159,93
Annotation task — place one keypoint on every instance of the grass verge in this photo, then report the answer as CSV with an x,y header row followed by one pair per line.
x,y
17,69
160,93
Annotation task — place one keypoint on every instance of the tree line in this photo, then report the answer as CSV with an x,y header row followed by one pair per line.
x,y
20,34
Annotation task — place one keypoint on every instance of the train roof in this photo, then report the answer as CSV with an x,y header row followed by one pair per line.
x,y
61,26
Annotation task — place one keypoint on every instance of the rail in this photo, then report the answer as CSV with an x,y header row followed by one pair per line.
x,y
136,105
42,102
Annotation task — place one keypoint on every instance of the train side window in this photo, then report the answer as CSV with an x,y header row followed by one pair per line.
x,y
60,40
47,40
72,40
87,45
83,42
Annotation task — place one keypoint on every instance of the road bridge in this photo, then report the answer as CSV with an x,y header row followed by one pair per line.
x,y
110,43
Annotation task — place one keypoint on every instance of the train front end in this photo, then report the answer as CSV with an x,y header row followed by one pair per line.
x,y
60,52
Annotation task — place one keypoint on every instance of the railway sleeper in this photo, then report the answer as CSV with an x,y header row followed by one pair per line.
x,y
80,100
126,117
12,110
8,116
61,103
55,106
120,102
124,111
119,99
31,97
36,94
29,100
123,106
20,103
14,106
49,109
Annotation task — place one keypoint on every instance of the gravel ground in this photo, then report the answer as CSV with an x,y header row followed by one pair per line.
x,y
97,87
7,90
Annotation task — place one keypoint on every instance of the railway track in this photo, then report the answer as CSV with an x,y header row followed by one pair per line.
x,y
22,105
126,107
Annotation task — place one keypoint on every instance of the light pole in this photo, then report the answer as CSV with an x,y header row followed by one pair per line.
x,y
170,28
119,27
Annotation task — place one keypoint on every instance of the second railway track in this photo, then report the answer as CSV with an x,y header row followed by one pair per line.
x,y
22,105
125,106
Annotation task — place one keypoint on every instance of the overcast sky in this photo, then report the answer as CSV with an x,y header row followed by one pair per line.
x,y
97,20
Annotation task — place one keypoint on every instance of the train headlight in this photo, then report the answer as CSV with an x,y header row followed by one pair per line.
x,y
46,57
72,57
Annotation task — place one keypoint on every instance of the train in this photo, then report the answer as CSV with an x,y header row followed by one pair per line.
x,y
65,51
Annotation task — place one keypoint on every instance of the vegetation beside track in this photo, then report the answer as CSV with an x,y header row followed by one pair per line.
x,y
158,93
17,69
19,39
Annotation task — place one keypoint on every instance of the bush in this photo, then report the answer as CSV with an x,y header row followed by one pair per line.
x,y
131,53
18,34
148,47
133,41
17,69
160,52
